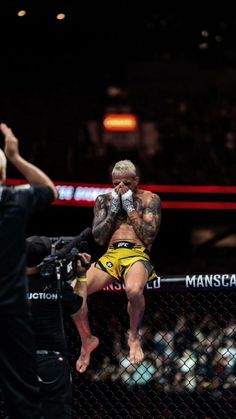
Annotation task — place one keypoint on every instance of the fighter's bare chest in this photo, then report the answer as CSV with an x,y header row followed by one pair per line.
x,y
122,216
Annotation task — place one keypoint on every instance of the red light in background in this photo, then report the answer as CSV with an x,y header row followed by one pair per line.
x,y
85,194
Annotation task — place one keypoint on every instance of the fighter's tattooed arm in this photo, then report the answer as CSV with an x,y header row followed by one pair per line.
x,y
147,226
104,220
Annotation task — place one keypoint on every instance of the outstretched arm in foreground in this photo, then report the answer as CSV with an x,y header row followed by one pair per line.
x,y
33,174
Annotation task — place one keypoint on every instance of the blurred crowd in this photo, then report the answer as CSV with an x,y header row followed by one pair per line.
x,y
184,352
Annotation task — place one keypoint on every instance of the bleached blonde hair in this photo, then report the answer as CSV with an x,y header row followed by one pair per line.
x,y
124,167
3,166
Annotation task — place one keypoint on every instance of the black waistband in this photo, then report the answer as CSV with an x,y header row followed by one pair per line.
x,y
124,244
128,245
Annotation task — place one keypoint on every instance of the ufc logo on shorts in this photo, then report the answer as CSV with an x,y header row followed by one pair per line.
x,y
123,244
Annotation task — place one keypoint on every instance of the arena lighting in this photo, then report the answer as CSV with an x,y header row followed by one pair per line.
x,y
21,13
126,122
85,194
60,16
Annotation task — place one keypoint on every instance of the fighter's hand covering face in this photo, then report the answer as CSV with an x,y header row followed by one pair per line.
x,y
146,221
126,195
127,201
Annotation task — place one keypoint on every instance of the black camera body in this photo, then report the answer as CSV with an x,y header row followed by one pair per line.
x,y
66,266
65,253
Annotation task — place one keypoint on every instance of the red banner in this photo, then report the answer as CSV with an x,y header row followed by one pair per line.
x,y
172,196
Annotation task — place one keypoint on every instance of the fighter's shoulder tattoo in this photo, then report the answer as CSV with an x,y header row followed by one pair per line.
x,y
101,203
153,205
147,203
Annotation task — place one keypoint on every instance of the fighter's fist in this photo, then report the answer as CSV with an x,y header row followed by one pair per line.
x,y
127,201
11,142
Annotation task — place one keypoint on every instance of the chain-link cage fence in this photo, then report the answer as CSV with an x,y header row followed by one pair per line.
x,y
189,371
189,340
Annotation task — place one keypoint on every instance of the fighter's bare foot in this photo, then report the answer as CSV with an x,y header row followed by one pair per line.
x,y
136,354
87,348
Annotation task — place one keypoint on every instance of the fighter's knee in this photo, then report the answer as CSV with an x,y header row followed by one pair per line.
x,y
133,292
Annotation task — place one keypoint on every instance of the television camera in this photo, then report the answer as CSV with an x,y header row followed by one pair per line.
x,y
65,253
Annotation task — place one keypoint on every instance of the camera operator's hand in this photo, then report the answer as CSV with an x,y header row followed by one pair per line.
x,y
83,263
34,175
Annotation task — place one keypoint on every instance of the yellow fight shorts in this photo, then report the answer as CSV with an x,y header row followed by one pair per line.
x,y
119,258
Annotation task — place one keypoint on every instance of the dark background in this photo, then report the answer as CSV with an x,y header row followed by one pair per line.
x,y
54,80
54,77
